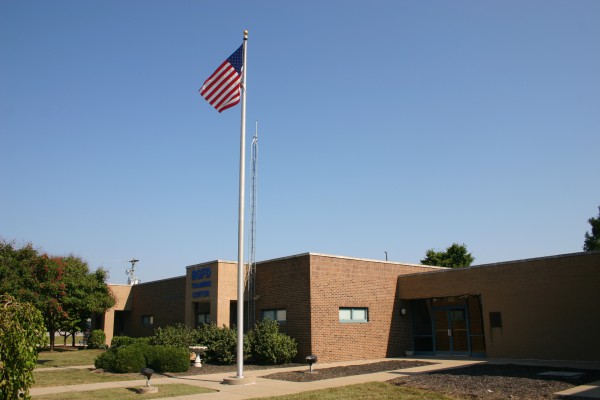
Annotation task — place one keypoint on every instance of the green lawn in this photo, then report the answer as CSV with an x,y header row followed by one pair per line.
x,y
372,390
75,376
170,390
67,358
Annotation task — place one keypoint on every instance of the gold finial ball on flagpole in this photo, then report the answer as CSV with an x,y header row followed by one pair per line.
x,y
246,32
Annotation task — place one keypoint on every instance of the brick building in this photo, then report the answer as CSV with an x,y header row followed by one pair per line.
x,y
342,308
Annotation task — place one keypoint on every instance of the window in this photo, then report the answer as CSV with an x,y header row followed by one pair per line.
x,y
147,320
203,318
495,319
458,315
348,314
275,315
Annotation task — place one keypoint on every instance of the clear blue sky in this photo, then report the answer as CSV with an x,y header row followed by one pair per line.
x,y
392,126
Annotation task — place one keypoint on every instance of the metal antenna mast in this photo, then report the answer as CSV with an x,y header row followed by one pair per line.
x,y
251,272
132,280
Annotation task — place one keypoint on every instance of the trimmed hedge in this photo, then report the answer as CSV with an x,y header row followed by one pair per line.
x,y
167,359
134,357
105,360
128,359
97,339
120,341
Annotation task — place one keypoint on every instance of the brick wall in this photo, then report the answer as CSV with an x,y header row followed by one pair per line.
x,y
217,296
345,282
123,302
285,284
164,300
549,306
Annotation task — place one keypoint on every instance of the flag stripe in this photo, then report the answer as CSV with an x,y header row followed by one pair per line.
x,y
222,89
212,84
223,83
232,89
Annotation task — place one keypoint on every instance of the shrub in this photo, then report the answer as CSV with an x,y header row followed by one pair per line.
x,y
120,341
128,359
140,354
178,335
21,332
97,339
105,360
167,359
221,343
269,346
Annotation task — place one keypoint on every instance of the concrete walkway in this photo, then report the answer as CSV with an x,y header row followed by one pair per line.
x,y
270,387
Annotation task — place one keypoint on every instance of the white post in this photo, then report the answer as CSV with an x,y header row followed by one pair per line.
x,y
240,287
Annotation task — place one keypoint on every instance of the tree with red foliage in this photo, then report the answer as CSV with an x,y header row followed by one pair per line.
x,y
62,288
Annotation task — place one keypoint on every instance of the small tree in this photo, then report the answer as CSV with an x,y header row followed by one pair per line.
x,y
455,256
62,288
269,346
592,240
178,335
97,339
221,343
22,331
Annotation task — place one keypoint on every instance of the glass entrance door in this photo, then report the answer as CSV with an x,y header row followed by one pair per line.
x,y
451,332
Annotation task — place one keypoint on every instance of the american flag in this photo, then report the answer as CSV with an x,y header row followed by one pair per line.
x,y
222,88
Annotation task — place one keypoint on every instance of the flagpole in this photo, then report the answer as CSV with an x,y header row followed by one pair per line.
x,y
240,287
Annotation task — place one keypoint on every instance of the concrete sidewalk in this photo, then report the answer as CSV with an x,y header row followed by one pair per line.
x,y
270,387
262,387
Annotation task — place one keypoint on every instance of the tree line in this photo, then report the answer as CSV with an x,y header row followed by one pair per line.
x,y
64,289
457,255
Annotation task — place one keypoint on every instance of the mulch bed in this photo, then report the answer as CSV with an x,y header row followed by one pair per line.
x,y
337,372
481,381
491,381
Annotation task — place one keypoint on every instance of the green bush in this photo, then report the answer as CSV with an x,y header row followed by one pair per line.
x,y
269,346
120,341
22,331
105,360
128,359
178,335
167,359
140,354
221,343
97,339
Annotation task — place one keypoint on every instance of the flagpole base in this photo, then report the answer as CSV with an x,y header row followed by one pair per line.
x,y
234,380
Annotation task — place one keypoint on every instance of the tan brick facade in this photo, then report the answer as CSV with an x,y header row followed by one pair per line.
x,y
210,287
548,306
285,284
345,282
163,300
312,288
124,301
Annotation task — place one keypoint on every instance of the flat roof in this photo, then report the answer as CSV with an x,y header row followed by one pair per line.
x,y
503,263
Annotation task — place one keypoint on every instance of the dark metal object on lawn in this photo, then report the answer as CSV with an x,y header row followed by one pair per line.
x,y
312,359
147,372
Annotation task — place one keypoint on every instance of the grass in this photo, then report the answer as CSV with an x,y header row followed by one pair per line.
x,y
62,357
365,391
74,376
170,390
